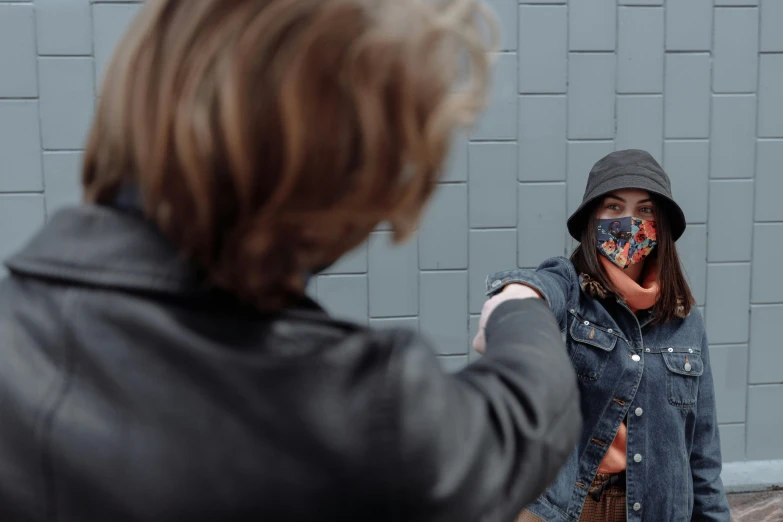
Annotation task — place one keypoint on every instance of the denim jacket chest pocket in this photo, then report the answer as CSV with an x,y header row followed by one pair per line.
x,y
590,345
684,366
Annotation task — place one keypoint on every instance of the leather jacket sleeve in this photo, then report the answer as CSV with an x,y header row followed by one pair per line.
x,y
482,444
709,497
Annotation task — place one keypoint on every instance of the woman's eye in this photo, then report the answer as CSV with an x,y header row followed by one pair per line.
x,y
647,210
613,207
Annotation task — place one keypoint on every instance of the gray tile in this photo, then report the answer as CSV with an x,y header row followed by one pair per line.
x,y
110,22
771,96
733,147
769,180
20,146
542,138
444,310
771,35
499,119
473,322
443,237
20,217
640,50
641,2
536,2
592,25
689,25
692,248
688,165
732,442
490,251
405,323
729,364
64,27
456,167
312,288
542,219
582,155
767,283
344,296
731,220
493,181
543,48
18,52
591,93
727,303
394,277
354,262
506,12
453,363
765,422
766,357
67,101
640,124
735,51
734,3
687,96
62,174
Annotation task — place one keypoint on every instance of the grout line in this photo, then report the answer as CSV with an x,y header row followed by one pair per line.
x,y
709,170
665,60
752,233
65,56
680,51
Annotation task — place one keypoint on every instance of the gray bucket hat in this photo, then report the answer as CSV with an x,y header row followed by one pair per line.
x,y
627,169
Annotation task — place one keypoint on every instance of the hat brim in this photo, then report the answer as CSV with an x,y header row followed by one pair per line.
x,y
578,220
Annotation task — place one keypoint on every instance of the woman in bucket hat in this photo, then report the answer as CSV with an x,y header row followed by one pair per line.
x,y
649,449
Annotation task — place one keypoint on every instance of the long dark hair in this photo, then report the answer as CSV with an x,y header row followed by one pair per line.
x,y
676,299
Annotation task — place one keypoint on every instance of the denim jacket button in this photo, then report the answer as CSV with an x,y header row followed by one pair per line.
x,y
636,358
638,412
587,323
572,311
637,507
637,458
610,330
690,350
687,367
670,350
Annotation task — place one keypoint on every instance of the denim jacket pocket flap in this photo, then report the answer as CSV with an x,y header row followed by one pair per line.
x,y
592,335
684,363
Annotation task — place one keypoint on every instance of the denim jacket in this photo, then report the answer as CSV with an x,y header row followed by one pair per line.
x,y
657,378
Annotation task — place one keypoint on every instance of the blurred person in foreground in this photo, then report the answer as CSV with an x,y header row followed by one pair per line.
x,y
160,359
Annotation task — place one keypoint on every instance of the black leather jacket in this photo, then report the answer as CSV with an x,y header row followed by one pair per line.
x,y
128,392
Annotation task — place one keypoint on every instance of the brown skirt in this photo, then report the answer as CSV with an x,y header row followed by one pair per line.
x,y
611,507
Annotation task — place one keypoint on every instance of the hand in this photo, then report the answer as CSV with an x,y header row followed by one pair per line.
x,y
511,291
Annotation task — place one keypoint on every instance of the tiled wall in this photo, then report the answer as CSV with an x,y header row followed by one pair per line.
x,y
698,83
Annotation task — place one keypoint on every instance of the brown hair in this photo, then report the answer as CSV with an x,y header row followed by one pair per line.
x,y
676,299
269,137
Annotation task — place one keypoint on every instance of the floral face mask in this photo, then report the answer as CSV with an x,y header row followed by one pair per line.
x,y
626,241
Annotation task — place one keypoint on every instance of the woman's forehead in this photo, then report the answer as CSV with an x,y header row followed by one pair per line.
x,y
629,195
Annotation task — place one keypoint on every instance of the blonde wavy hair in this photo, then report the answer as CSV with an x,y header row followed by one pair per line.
x,y
269,137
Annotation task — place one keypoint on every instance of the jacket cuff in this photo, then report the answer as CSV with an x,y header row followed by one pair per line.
x,y
497,281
